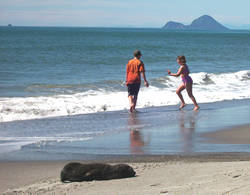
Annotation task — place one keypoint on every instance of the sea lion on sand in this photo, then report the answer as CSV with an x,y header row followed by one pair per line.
x,y
76,172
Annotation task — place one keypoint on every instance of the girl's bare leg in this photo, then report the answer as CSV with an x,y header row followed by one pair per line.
x,y
178,92
189,88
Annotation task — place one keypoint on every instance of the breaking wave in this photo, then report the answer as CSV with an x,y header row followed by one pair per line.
x,y
208,87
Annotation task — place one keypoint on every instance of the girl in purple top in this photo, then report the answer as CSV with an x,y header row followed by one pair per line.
x,y
187,82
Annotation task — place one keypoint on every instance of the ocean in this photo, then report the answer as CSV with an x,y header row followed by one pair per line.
x,y
49,73
65,71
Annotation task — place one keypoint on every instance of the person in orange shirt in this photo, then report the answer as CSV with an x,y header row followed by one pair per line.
x,y
135,68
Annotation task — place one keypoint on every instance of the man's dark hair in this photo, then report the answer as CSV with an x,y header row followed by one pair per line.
x,y
137,53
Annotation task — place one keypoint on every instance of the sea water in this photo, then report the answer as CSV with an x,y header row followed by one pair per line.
x,y
54,75
48,72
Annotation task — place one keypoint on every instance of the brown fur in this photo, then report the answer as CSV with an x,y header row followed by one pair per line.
x,y
76,172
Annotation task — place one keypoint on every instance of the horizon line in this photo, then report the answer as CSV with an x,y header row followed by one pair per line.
x,y
132,27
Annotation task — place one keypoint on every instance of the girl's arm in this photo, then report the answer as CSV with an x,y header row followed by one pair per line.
x,y
177,74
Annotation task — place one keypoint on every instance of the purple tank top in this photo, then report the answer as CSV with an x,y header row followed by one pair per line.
x,y
186,70
186,78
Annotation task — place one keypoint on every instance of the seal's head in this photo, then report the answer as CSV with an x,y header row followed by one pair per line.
x,y
125,170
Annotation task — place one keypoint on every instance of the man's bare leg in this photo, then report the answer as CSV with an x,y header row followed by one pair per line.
x,y
135,102
131,102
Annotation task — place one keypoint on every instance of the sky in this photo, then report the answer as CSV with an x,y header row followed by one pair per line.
x,y
121,13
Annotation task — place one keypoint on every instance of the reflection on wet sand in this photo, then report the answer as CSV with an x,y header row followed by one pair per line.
x,y
137,141
187,123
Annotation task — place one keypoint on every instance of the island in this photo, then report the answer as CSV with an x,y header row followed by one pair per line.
x,y
204,22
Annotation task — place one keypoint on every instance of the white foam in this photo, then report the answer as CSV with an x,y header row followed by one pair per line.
x,y
15,143
207,88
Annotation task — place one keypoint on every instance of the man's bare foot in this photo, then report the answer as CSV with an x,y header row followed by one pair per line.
x,y
131,109
182,106
135,111
196,108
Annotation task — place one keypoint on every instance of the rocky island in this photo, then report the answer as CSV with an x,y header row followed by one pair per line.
x,y
202,23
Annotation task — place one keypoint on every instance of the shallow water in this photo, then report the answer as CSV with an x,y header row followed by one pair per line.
x,y
159,130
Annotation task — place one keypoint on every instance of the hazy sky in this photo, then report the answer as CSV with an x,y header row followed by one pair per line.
x,y
121,13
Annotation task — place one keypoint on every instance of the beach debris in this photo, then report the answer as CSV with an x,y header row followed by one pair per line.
x,y
77,172
156,184
235,176
104,107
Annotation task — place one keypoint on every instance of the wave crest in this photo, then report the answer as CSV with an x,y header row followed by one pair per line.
x,y
208,87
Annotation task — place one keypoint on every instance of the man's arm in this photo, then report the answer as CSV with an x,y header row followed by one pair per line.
x,y
145,80
142,70
126,74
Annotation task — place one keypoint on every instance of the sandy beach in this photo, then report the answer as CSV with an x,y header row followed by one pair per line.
x,y
198,174
189,172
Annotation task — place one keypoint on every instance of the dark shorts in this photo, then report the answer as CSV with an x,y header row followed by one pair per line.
x,y
133,89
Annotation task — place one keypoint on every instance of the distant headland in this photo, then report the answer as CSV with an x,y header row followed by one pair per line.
x,y
204,22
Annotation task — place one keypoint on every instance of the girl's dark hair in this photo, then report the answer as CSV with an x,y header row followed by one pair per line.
x,y
182,59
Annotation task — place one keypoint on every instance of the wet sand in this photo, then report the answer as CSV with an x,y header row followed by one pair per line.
x,y
153,131
235,135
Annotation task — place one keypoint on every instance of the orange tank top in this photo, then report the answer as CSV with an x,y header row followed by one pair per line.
x,y
134,68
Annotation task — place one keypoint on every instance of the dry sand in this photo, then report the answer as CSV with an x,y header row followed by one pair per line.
x,y
172,177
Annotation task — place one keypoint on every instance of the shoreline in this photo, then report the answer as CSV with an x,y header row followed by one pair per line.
x,y
126,110
43,177
154,131
191,157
